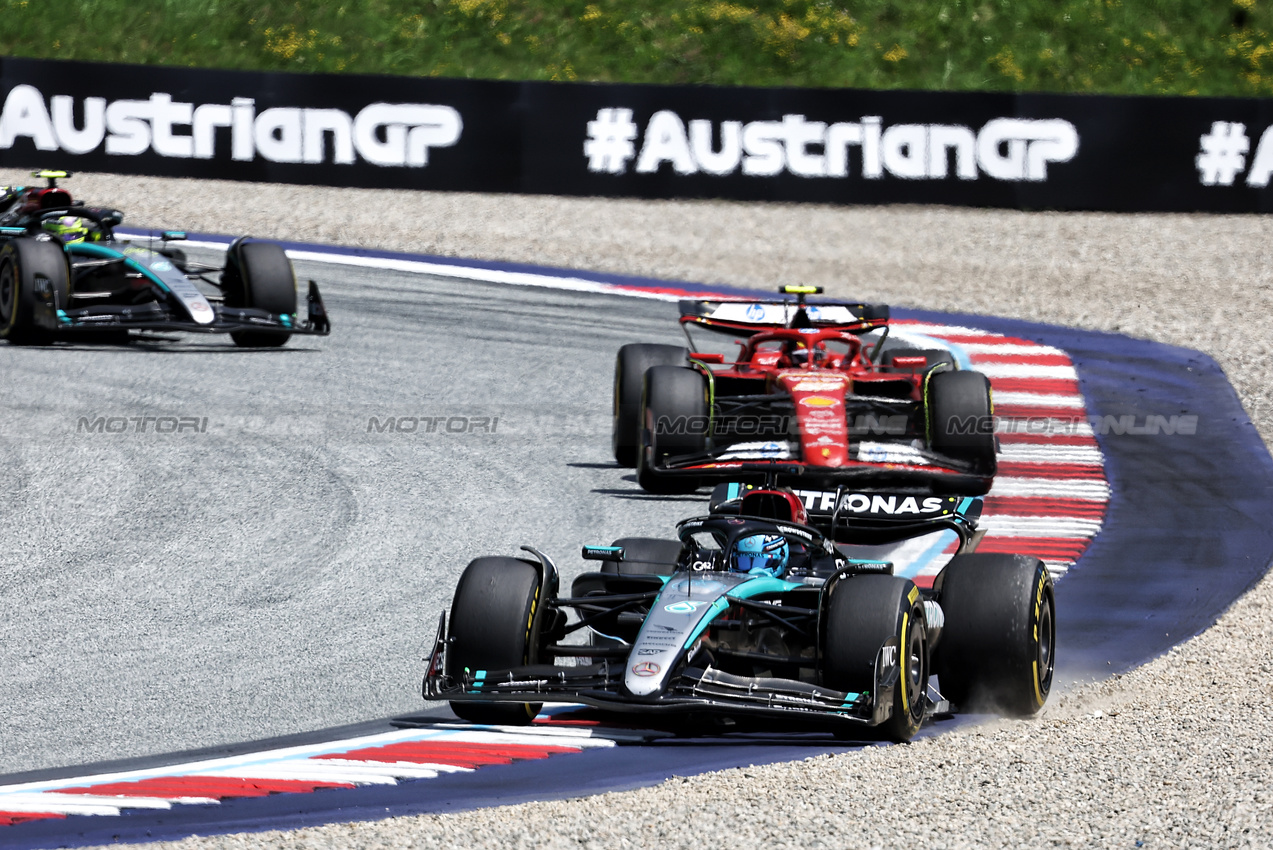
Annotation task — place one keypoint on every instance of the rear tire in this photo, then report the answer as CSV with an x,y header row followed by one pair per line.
x,y
492,628
645,556
997,650
629,376
960,417
863,612
259,275
26,267
674,416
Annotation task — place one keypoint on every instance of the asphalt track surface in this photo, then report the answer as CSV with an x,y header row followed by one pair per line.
x,y
283,570
324,550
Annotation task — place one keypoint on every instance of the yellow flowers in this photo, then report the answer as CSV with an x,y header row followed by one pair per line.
x,y
287,42
562,73
1005,61
784,33
492,10
896,54
283,42
729,12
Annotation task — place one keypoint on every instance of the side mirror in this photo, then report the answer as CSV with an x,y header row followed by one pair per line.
x,y
603,553
173,236
707,358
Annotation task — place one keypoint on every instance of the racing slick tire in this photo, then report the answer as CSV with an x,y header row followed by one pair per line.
x,y
645,556
629,376
674,422
997,645
862,613
491,628
960,421
259,275
28,269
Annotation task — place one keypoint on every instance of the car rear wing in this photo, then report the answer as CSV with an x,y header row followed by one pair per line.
x,y
751,317
872,516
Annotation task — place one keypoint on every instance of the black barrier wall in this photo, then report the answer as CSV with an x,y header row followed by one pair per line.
x,y
1032,151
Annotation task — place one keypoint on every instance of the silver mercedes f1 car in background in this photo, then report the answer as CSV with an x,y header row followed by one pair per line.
x,y
65,275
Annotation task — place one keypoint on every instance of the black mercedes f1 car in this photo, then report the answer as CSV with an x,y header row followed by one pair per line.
x,y
65,276
752,612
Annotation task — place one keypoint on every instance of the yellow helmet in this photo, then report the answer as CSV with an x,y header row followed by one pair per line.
x,y
68,228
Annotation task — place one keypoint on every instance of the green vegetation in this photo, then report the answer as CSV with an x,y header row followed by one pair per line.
x,y
1203,47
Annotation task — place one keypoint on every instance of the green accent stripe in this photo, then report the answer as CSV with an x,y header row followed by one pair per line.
x,y
750,588
103,251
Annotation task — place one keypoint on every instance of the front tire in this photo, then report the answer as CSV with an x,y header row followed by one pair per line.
x,y
259,275
492,627
863,612
28,266
629,375
674,417
997,650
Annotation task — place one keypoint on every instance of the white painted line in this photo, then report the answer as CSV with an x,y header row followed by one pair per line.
x,y
301,771
1011,348
1068,401
1044,427
1039,526
78,804
1026,370
263,757
942,330
573,284
1090,489
540,737
401,769
547,281
1045,454
539,732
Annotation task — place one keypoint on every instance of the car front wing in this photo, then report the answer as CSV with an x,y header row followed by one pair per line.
x,y
157,316
694,690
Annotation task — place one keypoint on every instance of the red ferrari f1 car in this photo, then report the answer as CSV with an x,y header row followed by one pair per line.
x,y
817,390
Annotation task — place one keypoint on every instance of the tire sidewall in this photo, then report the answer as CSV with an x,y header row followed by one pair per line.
x,y
960,395
630,366
21,259
259,275
10,290
862,613
673,392
493,625
998,644
670,392
501,631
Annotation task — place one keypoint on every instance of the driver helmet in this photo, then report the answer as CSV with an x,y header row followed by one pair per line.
x,y
802,355
68,228
760,555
